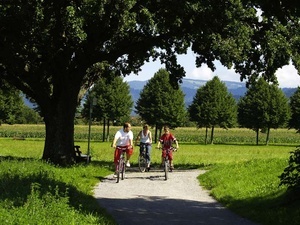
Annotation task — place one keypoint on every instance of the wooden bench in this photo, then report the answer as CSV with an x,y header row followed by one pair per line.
x,y
81,157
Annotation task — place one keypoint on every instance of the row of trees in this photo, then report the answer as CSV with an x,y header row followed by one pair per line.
x,y
263,107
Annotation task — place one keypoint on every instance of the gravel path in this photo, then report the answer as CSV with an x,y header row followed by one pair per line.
x,y
146,198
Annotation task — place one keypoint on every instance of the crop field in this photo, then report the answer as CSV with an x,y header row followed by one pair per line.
x,y
183,134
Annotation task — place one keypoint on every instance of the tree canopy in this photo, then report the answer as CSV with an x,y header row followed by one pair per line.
x,y
294,121
112,100
54,50
213,106
12,108
160,104
264,106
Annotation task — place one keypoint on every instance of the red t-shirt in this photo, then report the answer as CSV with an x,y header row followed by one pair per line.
x,y
167,140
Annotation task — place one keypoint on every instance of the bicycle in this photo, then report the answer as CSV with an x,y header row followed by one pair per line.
x,y
142,159
121,167
166,163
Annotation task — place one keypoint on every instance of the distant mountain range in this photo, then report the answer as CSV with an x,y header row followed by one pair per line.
x,y
190,87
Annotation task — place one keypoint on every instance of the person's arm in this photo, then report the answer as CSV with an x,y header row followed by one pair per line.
x,y
138,138
150,137
158,143
115,140
131,139
176,142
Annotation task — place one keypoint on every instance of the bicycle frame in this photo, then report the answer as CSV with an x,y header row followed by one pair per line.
x,y
121,164
142,159
167,166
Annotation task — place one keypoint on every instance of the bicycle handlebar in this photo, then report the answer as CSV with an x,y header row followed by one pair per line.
x,y
143,144
122,148
171,149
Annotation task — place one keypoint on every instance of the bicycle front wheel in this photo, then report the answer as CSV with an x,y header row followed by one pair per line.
x,y
123,170
166,169
142,163
119,169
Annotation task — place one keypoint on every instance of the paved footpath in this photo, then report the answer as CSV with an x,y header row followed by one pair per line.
x,y
147,199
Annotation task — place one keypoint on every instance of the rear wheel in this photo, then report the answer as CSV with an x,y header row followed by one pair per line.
x,y
142,163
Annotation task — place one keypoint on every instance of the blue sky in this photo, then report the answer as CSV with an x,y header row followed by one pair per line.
x,y
287,76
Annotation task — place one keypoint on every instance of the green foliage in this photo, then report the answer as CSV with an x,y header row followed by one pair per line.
x,y
48,47
279,111
213,106
291,174
264,106
113,100
12,108
253,106
275,48
294,121
160,103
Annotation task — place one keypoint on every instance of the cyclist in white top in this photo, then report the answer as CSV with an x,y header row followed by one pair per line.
x,y
123,138
145,138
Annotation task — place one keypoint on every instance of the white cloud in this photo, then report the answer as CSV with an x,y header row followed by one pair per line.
x,y
205,73
287,76
202,73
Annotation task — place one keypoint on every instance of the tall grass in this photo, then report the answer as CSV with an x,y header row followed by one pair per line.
x,y
35,192
241,175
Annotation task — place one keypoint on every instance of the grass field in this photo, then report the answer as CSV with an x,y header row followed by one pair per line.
x,y
240,175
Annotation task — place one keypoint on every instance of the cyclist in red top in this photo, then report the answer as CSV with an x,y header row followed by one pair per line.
x,y
167,139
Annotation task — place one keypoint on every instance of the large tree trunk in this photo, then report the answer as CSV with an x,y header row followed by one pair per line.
x,y
59,116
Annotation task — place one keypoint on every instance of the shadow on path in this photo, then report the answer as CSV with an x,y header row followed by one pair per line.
x,y
146,198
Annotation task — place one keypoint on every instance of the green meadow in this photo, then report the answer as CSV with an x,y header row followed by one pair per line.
x,y
241,175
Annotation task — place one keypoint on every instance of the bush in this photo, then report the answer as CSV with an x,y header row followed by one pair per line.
x,y
291,174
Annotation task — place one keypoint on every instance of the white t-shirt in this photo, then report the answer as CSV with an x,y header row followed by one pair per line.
x,y
123,138
145,138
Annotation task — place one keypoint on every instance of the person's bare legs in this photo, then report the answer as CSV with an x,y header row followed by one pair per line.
x,y
128,158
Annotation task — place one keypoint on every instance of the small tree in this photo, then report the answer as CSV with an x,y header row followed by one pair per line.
x,y
278,110
113,102
294,121
213,106
11,105
160,103
263,107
